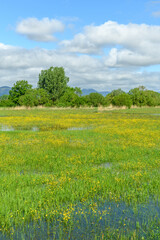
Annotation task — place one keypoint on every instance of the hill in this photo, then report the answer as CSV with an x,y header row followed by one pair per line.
x,y
90,90
4,90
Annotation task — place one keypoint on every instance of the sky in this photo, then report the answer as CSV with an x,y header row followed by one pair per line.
x,y
101,44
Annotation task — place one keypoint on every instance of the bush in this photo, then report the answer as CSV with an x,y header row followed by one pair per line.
x,y
7,103
34,97
94,99
19,89
122,100
70,98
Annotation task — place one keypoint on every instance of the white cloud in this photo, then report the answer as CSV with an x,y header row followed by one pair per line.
x,y
132,44
39,30
84,71
122,51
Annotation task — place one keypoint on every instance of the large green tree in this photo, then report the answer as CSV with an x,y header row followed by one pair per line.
x,y
19,88
54,81
138,96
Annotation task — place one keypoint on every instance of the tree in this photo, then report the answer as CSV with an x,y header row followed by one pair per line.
x,y
110,96
19,88
34,97
152,98
123,99
138,96
4,97
54,81
71,97
94,99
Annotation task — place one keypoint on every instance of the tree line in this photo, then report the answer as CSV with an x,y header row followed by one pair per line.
x,y
52,90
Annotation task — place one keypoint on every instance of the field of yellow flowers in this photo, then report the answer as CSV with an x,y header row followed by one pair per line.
x,y
80,174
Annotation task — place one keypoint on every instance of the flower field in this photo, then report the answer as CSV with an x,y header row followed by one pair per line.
x,y
80,174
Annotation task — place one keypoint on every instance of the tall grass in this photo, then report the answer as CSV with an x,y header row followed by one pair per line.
x,y
54,181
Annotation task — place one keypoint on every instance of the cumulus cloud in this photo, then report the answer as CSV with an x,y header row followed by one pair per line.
x,y
39,30
131,44
83,70
104,57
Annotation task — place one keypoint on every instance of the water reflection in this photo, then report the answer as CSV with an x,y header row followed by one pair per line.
x,y
5,128
106,165
117,217
78,128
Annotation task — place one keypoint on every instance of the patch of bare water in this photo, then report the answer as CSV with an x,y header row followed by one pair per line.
x,y
5,128
78,128
105,165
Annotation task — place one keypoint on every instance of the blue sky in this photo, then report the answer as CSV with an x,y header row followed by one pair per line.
x,y
102,44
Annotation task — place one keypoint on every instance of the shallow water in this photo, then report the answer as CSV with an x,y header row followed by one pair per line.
x,y
5,128
78,128
117,216
106,165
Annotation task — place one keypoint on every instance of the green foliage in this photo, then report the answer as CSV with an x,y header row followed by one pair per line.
x,y
18,89
34,97
94,99
78,91
54,81
4,97
123,99
152,98
7,103
142,97
70,98
53,90
109,97
138,96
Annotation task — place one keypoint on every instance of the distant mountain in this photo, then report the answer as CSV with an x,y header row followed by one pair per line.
x,y
4,90
90,90
87,91
104,93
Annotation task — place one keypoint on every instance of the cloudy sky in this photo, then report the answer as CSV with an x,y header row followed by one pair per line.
x,y
101,44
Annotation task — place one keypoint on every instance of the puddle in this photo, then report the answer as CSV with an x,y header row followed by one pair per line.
x,y
78,128
35,129
105,165
5,128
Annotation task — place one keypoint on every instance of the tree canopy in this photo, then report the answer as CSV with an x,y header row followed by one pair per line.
x,y
53,91
54,81
19,88
34,97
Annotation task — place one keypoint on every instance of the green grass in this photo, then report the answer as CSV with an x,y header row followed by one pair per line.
x,y
53,182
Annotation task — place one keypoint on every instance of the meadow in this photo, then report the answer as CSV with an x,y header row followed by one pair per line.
x,y
80,174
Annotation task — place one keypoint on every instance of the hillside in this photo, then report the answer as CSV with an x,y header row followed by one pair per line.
x,y
90,90
4,90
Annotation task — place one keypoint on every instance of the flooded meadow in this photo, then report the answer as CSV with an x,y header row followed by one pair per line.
x,y
80,174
